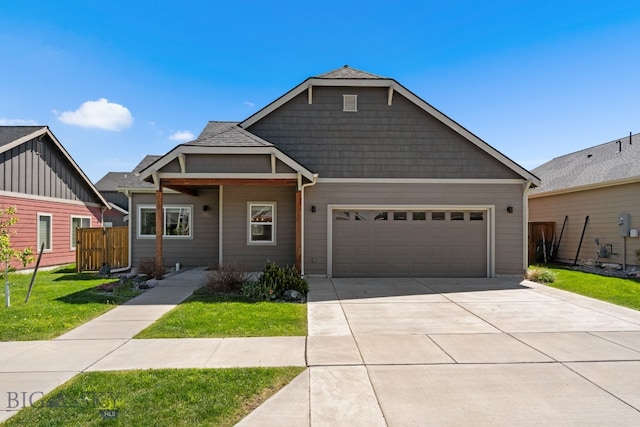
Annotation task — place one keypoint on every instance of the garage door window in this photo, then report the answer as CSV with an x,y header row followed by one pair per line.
x,y
457,216
262,223
380,216
476,216
399,216
362,216
437,216
419,216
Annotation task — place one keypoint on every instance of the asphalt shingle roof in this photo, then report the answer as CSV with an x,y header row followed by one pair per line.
x,y
347,72
132,179
612,161
227,134
8,134
111,180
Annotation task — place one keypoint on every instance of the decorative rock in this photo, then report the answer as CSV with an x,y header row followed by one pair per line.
x,y
292,295
105,270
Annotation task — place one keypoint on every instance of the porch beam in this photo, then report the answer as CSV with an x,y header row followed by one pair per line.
x,y
159,233
199,182
299,230
180,189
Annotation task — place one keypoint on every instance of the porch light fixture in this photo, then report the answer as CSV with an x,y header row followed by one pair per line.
x,y
510,209
313,208
205,207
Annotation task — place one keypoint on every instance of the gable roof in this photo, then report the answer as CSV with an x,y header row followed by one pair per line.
x,y
614,162
13,136
111,180
223,138
227,134
350,77
132,180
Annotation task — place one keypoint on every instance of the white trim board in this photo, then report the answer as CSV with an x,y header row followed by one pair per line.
x,y
490,209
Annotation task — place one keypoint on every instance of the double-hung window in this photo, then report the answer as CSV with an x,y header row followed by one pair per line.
x,y
78,222
178,222
262,224
45,235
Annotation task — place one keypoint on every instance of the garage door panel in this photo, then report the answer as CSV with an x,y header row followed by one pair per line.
x,y
395,246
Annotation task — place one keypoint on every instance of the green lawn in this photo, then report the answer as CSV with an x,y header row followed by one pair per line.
x,y
165,397
60,300
208,316
624,292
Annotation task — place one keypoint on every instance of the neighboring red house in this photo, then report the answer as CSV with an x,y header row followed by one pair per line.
x,y
52,194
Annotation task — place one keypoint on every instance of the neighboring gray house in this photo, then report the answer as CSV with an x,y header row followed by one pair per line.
x,y
119,202
603,183
347,174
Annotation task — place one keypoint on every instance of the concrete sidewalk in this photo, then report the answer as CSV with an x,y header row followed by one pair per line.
x,y
460,352
385,352
31,369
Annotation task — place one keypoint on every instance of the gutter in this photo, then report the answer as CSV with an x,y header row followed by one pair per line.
x,y
313,182
525,228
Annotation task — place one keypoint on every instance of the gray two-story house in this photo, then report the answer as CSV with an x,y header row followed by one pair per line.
x,y
347,174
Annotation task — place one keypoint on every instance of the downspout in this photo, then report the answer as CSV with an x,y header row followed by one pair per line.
x,y
313,182
128,267
525,227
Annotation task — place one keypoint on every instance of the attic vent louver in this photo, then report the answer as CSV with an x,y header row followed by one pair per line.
x,y
350,103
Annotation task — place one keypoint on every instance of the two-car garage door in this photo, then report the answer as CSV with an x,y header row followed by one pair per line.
x,y
410,243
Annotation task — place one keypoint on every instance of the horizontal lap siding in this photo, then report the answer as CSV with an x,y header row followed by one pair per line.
x,y
508,233
200,250
236,220
61,212
603,206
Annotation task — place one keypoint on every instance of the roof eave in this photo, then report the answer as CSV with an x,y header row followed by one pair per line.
x,y
586,187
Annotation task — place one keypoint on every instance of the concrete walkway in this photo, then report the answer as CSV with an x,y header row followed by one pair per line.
x,y
31,369
384,352
412,352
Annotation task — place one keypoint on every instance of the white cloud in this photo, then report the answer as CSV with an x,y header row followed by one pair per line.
x,y
182,136
100,114
17,122
249,104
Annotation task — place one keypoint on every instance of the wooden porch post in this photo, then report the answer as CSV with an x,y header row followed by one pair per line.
x,y
299,230
159,233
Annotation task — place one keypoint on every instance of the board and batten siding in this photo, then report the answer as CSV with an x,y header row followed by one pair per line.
x,y
37,168
603,205
382,141
199,250
61,213
235,229
508,227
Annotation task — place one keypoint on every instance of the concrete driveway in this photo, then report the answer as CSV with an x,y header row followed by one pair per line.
x,y
414,352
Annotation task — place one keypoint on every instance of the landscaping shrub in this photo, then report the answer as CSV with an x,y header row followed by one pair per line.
x,y
147,266
227,278
540,275
274,281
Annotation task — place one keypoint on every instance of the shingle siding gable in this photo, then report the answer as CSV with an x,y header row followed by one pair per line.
x,y
377,141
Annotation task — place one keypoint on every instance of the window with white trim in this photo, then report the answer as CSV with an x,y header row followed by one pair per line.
x,y
45,235
262,223
177,221
78,222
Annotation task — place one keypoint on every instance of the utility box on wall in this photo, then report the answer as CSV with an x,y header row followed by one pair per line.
x,y
624,224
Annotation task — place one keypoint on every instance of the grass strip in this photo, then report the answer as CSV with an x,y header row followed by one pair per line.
x,y
620,291
61,300
164,397
209,316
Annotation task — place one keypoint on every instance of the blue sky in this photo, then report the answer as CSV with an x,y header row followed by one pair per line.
x,y
116,80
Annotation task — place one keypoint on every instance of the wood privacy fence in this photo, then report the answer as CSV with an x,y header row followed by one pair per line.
x,y
97,246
